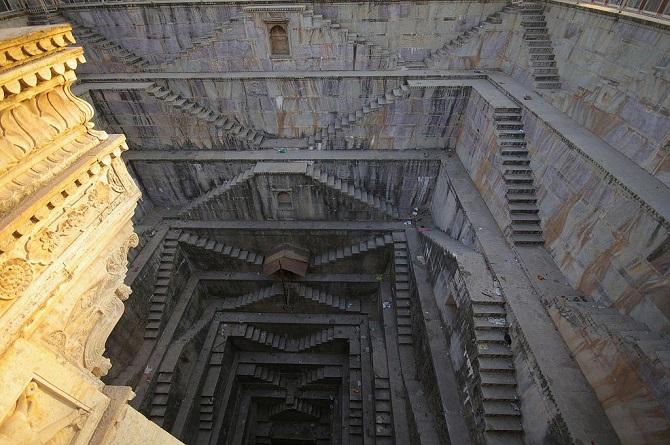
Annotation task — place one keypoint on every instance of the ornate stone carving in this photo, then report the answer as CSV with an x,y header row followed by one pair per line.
x,y
16,277
65,230
40,418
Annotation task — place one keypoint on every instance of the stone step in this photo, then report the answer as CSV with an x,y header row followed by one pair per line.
x,y
499,392
503,423
495,364
501,408
496,378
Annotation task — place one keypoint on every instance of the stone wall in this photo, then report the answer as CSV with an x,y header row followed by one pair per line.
x,y
604,241
616,82
321,34
281,108
615,77
448,213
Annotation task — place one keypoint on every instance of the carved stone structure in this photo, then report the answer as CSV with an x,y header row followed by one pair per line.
x,y
66,202
393,223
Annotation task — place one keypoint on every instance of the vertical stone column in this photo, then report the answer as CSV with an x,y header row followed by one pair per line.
x,y
66,202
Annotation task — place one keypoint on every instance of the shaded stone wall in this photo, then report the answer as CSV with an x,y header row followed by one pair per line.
x,y
448,213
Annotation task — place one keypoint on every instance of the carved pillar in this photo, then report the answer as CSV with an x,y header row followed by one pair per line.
x,y
66,202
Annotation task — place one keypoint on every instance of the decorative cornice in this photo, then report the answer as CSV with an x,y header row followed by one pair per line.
x,y
17,46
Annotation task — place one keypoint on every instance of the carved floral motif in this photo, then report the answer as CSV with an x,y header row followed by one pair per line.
x,y
16,277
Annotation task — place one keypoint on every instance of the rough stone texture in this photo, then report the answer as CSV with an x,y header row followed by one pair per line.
x,y
627,365
605,242
616,81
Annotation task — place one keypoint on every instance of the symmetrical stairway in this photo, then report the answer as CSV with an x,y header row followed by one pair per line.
x,y
332,256
226,127
356,193
542,58
262,373
282,342
402,288
451,46
315,376
300,405
220,248
252,297
324,134
502,416
322,297
190,210
158,301
518,176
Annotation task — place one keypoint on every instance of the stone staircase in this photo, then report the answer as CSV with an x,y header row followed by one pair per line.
x,y
300,405
215,35
497,381
401,287
160,397
252,297
317,376
281,342
383,412
332,256
262,373
158,300
323,136
356,193
220,248
161,391
377,56
322,297
525,228
609,339
201,201
227,128
541,59
89,36
451,46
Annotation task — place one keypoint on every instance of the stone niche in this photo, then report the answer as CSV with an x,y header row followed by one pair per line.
x,y
66,201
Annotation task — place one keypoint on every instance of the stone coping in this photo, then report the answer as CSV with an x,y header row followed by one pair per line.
x,y
658,21
70,4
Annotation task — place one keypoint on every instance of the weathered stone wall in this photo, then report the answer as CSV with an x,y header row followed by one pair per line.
x,y
425,118
407,184
616,82
615,78
605,242
390,31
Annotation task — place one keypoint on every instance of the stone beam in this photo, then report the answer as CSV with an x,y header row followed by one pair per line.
x,y
288,155
311,278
